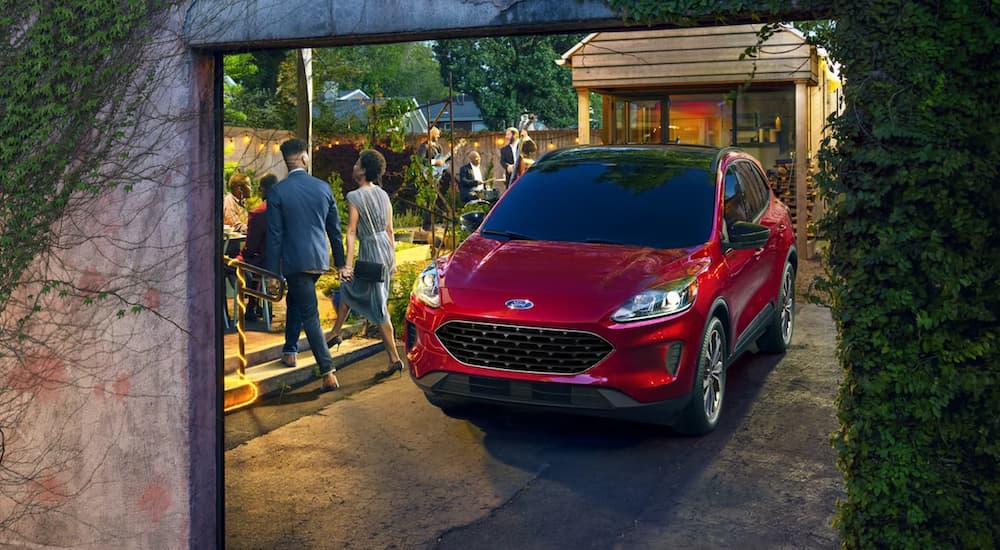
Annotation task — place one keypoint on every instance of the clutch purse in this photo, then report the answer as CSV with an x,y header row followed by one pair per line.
x,y
369,271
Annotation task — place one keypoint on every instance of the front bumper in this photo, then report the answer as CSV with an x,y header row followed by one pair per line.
x,y
642,371
576,399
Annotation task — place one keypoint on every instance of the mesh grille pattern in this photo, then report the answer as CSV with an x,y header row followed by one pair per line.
x,y
525,349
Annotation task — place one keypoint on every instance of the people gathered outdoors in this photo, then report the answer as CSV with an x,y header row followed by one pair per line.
x,y
295,231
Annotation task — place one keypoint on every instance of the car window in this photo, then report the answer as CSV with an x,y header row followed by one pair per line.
x,y
756,192
621,201
734,208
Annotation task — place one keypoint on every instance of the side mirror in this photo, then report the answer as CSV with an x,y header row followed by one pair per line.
x,y
470,221
744,235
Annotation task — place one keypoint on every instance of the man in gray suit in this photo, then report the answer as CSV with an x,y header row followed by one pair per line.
x,y
301,217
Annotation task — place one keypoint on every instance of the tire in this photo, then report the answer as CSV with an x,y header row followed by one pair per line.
x,y
778,335
701,415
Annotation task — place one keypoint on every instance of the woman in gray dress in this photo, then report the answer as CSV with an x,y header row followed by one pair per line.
x,y
369,226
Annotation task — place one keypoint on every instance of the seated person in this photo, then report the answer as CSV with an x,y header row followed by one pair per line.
x,y
470,178
254,247
234,211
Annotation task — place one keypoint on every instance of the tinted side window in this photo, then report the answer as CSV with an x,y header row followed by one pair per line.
x,y
734,202
756,192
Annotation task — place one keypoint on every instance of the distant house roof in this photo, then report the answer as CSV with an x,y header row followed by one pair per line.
x,y
355,104
465,110
354,95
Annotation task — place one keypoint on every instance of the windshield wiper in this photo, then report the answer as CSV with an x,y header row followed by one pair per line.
x,y
509,234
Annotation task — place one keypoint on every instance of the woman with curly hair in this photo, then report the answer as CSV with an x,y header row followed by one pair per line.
x,y
369,227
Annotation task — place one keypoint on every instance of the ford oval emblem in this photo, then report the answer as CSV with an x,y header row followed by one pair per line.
x,y
519,304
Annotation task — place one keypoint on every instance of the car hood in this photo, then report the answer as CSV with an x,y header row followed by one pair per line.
x,y
563,281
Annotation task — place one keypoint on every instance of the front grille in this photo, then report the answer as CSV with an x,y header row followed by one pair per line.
x,y
525,349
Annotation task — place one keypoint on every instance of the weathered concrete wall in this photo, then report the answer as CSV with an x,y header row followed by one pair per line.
x,y
336,22
111,436
283,23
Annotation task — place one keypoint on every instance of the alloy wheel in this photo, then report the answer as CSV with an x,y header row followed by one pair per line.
x,y
713,383
787,305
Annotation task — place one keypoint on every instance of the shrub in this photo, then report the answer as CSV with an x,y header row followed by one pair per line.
x,y
399,296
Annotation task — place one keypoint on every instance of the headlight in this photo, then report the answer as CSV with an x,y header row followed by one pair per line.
x,y
673,297
425,288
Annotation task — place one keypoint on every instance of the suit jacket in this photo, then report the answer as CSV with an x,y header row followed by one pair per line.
x,y
301,217
506,159
253,249
466,181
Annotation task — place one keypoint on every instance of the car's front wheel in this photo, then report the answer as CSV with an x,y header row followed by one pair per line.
x,y
702,413
778,335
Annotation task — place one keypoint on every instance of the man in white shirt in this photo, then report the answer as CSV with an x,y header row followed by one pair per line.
x,y
470,178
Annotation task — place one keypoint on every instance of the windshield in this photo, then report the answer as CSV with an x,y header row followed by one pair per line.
x,y
611,201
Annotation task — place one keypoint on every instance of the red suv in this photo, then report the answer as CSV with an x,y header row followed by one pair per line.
x,y
614,281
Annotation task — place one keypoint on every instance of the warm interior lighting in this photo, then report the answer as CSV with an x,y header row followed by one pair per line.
x,y
552,145
475,144
500,141
576,139
246,138
276,148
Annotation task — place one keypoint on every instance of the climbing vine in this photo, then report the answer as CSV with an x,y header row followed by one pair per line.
x,y
910,173
76,89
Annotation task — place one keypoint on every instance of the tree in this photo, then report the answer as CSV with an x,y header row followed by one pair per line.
x,y
910,176
508,76
393,70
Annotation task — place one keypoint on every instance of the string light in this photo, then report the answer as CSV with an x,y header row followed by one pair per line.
x,y
246,138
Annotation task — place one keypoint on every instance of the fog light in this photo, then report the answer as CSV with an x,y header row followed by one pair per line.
x,y
673,358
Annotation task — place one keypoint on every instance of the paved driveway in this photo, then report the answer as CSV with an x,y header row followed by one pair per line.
x,y
383,469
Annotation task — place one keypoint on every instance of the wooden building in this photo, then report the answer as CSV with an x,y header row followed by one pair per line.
x,y
690,86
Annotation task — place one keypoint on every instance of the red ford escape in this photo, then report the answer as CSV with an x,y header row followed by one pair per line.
x,y
616,281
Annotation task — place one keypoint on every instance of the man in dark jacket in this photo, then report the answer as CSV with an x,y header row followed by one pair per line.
x,y
509,154
302,226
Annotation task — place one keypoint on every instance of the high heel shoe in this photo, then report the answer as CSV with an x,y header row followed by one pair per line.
x,y
324,387
334,341
393,369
